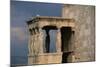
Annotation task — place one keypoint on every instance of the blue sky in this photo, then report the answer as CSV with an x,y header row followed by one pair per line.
x,y
22,11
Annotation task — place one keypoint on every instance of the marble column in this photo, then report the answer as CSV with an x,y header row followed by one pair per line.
x,y
36,42
30,42
40,37
32,39
58,40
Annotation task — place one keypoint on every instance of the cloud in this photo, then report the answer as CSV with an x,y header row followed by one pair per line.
x,y
18,33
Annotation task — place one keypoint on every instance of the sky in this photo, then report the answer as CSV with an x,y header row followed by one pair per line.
x,y
22,11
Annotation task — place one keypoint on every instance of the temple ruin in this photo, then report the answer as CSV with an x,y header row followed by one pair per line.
x,y
40,50
69,43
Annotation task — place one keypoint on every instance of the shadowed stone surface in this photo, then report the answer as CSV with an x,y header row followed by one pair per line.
x,y
84,30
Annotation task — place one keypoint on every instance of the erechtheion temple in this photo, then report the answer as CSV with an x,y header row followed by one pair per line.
x,y
74,38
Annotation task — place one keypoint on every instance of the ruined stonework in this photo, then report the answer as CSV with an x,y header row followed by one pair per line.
x,y
75,37
38,50
84,30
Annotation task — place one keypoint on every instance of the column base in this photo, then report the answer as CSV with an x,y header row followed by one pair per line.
x,y
45,58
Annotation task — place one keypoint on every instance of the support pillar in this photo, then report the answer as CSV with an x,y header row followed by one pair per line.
x,y
58,41
41,40
36,42
31,42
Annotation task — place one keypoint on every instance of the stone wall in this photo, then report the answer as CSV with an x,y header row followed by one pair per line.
x,y
84,30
